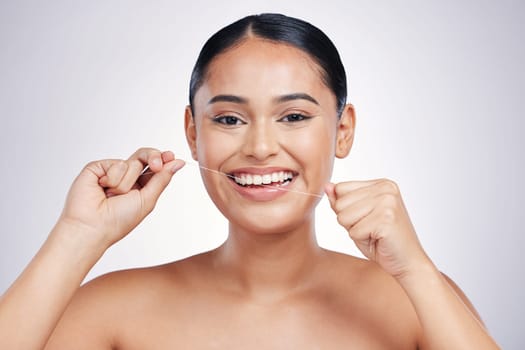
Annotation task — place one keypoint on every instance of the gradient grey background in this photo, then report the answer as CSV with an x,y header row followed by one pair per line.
x,y
436,86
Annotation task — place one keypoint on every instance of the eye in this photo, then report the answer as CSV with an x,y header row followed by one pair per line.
x,y
294,117
228,120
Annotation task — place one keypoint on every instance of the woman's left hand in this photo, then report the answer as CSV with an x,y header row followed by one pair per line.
x,y
376,219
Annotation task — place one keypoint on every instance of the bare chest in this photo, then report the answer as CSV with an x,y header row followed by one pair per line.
x,y
258,327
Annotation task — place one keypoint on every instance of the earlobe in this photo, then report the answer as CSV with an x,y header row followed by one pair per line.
x,y
191,132
345,132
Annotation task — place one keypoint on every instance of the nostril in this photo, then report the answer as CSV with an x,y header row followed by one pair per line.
x,y
261,143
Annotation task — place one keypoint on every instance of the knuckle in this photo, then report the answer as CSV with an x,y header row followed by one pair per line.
x,y
145,150
117,167
389,200
389,186
120,163
390,206
153,153
142,153
338,206
342,222
92,165
338,189
135,164
389,215
355,233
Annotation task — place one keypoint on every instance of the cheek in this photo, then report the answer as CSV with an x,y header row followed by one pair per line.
x,y
213,147
316,144
316,152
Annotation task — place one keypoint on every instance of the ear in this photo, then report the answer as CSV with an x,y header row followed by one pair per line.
x,y
191,132
345,132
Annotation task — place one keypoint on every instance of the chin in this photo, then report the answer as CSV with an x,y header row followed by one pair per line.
x,y
271,222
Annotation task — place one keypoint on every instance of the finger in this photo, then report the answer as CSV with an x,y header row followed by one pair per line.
x,y
167,156
342,188
115,171
329,189
349,198
351,192
144,158
93,172
147,173
121,176
152,190
366,234
128,180
351,215
148,157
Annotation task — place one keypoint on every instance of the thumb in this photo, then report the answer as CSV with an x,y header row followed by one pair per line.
x,y
159,181
329,189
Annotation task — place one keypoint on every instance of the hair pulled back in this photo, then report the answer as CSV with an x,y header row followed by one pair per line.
x,y
280,29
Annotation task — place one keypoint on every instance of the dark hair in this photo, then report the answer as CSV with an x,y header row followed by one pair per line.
x,y
281,29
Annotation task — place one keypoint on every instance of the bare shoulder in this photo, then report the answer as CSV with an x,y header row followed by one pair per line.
x,y
147,283
105,309
363,276
378,294
368,293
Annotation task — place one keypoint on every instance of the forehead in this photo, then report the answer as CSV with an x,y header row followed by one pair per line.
x,y
258,68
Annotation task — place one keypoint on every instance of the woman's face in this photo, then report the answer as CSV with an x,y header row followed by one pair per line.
x,y
264,115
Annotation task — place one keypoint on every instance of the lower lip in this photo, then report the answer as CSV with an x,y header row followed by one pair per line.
x,y
261,193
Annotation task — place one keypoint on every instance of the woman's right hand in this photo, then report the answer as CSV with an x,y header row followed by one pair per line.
x,y
106,201
110,197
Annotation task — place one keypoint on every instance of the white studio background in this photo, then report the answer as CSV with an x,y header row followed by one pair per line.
x,y
436,86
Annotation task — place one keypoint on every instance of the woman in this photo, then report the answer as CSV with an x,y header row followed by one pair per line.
x,y
267,116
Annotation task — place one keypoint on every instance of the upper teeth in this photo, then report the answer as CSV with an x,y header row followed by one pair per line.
x,y
266,179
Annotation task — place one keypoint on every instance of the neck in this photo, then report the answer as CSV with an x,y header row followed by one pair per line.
x,y
270,265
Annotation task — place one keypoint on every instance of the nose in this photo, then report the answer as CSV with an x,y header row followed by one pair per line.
x,y
261,141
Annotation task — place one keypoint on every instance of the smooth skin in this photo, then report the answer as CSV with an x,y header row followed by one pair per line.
x,y
269,285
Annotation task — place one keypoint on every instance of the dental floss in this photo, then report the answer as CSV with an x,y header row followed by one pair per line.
x,y
146,171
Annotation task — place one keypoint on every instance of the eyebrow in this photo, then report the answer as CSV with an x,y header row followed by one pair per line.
x,y
228,98
278,99
296,96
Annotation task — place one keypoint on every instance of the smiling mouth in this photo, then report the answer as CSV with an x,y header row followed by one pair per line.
x,y
278,178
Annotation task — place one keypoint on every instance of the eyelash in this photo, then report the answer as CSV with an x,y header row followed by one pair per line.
x,y
226,119
229,120
298,117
